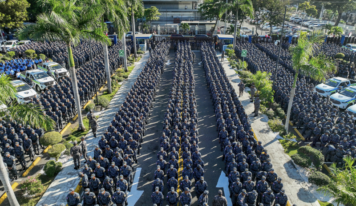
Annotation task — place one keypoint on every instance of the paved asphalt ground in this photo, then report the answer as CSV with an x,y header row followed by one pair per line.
x,y
209,146
150,145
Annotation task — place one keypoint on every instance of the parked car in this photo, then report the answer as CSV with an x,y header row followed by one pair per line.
x,y
8,45
246,30
23,42
24,93
351,47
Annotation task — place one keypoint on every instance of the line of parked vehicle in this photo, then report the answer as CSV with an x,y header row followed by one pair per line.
x,y
5,46
341,91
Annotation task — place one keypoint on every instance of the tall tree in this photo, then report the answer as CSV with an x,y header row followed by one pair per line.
x,y
136,6
275,12
340,6
115,11
244,6
213,9
69,23
152,14
304,62
308,8
185,27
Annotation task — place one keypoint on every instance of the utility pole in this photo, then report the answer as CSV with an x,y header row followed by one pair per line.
x,y
4,178
321,11
124,48
280,44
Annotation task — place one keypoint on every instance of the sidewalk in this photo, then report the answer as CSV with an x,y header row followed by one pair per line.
x,y
295,187
68,177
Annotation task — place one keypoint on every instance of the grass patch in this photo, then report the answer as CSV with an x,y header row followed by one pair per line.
x,y
324,203
46,181
76,134
110,96
290,147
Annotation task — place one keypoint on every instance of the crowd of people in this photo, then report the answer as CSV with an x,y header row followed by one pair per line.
x,y
58,101
318,120
18,141
252,179
179,140
108,175
14,66
57,51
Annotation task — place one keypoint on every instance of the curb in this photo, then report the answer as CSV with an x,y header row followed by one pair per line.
x,y
34,163
65,128
4,196
46,150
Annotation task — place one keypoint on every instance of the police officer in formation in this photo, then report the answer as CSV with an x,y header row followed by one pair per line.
x,y
318,119
247,163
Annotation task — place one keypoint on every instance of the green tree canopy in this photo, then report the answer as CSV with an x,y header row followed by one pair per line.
x,y
152,14
276,12
339,7
185,27
13,13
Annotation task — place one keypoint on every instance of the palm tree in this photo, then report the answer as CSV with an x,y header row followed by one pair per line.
x,y
136,6
213,9
230,29
116,12
69,23
304,62
25,113
243,5
336,30
342,185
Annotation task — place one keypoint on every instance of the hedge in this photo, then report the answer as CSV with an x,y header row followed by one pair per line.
x,y
89,107
299,160
56,150
10,54
319,178
316,157
125,76
103,101
42,56
280,113
52,168
339,56
30,53
51,138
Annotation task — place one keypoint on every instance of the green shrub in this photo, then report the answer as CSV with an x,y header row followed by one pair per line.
x,y
51,138
6,58
56,150
290,136
270,115
230,46
245,74
263,108
30,53
10,54
120,79
90,106
120,71
140,51
125,76
319,178
103,101
316,157
276,124
300,160
42,56
339,56
280,113
52,168
67,144
32,186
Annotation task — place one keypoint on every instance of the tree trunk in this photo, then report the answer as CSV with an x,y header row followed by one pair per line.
x,y
338,17
291,97
133,33
75,87
236,18
107,67
124,48
4,177
216,25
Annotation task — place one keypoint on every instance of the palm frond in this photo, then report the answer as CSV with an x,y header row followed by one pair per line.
x,y
7,90
31,114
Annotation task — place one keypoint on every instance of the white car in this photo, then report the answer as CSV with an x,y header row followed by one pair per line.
x,y
54,69
276,30
265,26
246,30
351,47
23,42
332,85
24,93
9,45
352,110
38,79
344,98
